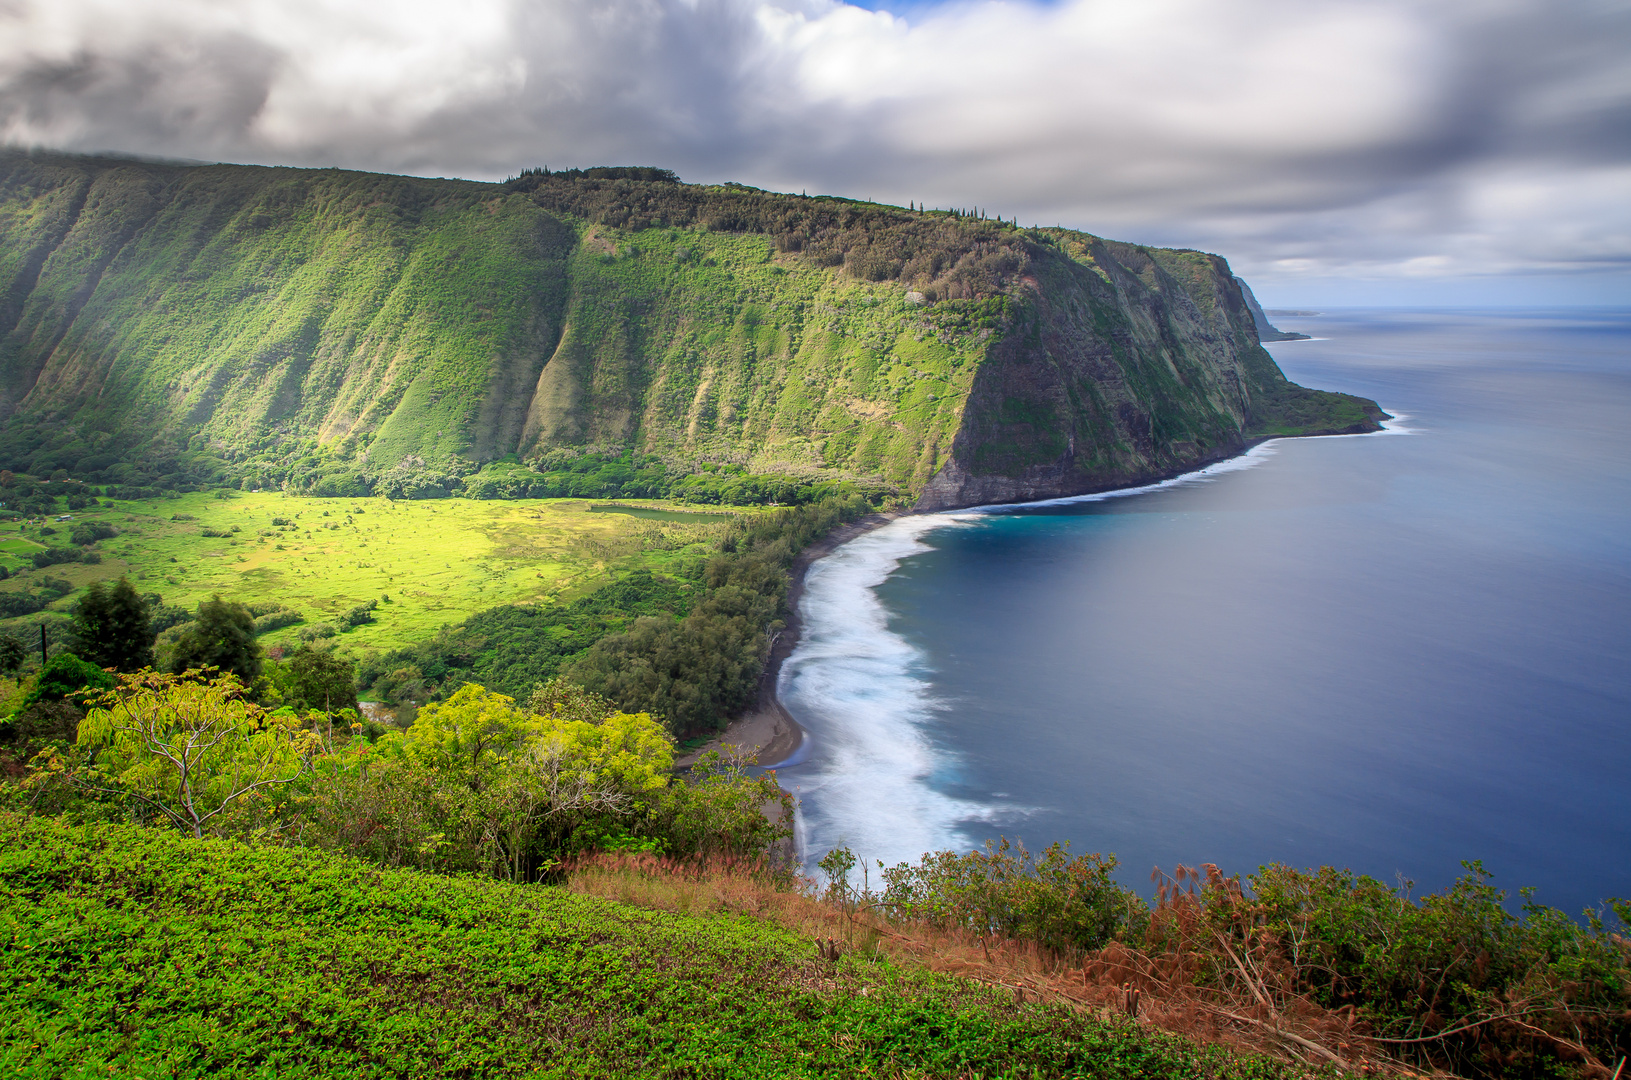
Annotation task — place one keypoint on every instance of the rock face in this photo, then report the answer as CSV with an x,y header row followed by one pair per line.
x,y
1265,331
319,330
1148,369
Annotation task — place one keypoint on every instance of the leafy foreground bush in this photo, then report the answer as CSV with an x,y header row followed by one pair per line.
x,y
142,953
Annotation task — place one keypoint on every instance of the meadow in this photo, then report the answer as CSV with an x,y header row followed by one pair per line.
x,y
427,563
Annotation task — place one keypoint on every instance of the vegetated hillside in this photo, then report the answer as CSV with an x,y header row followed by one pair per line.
x,y
343,332
138,952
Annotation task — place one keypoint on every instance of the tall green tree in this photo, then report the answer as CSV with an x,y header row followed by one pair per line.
x,y
312,679
187,750
11,655
221,635
113,627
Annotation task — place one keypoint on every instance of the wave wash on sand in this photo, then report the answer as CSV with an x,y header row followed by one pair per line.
x,y
866,778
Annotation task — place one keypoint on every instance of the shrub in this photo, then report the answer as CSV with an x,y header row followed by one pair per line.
x,y
56,556
357,616
276,619
65,677
89,532
55,588
17,604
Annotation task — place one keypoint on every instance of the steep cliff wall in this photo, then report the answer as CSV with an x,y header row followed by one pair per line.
x,y
1123,365
1266,331
290,327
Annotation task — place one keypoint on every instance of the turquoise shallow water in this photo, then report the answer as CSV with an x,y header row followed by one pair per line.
x,y
1389,652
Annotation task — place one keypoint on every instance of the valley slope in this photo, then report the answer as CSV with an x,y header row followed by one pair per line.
x,y
342,333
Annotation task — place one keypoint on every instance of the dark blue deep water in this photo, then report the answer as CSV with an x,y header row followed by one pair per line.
x,y
1389,652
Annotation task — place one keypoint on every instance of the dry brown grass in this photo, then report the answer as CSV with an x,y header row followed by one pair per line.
x,y
1159,990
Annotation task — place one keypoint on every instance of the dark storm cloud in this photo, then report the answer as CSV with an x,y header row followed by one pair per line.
x,y
1301,138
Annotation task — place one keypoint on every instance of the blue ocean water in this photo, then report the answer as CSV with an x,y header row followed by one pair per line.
x,y
1389,652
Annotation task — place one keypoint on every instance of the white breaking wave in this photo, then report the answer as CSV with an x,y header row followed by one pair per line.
x,y
1252,458
867,780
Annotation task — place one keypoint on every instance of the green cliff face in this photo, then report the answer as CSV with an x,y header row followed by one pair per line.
x,y
280,325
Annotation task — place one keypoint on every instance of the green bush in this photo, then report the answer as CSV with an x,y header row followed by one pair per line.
x,y
57,556
89,532
359,615
14,605
1452,980
276,620
64,677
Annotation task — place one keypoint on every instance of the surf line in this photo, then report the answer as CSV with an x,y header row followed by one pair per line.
x,y
861,692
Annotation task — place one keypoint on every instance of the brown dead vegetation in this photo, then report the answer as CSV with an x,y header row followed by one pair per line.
x,y
1253,1012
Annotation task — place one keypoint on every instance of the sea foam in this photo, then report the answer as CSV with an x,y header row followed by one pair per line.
x,y
868,776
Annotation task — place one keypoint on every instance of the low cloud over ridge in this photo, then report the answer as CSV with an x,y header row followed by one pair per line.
x,y
1305,139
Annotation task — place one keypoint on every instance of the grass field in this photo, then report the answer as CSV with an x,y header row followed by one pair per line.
x,y
437,561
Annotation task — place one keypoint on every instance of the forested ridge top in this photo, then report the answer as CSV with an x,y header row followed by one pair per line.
x,y
319,330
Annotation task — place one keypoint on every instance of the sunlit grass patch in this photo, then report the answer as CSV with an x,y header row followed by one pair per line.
x,y
437,561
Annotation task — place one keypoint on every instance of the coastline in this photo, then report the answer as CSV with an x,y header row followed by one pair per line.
x,y
769,734
768,731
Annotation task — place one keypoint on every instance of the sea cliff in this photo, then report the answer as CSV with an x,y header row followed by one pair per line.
x,y
344,333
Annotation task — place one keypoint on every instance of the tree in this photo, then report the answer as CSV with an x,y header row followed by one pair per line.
x,y
64,677
492,783
188,750
568,701
221,635
11,655
310,679
113,628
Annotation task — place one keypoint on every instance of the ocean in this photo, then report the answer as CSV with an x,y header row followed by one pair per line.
x,y
1389,653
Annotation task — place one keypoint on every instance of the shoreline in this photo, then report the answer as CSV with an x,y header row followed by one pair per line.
x,y
767,732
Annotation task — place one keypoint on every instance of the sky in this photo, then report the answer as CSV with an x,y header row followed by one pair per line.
x,y
1337,152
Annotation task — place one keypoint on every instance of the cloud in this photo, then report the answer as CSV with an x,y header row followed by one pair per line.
x,y
1386,138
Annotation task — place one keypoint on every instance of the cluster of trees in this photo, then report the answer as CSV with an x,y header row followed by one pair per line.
x,y
480,783
513,647
567,473
116,629
572,474
27,495
31,450
944,255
